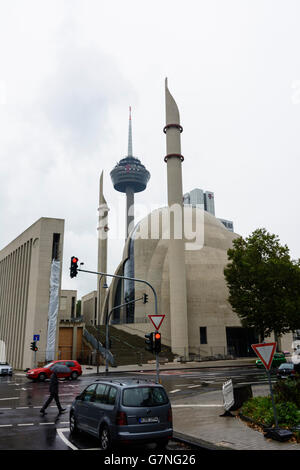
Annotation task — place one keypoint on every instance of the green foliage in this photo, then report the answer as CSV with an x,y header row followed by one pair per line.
x,y
287,391
288,414
264,284
260,410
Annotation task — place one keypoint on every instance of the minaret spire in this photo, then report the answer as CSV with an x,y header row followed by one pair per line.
x,y
102,248
130,135
177,270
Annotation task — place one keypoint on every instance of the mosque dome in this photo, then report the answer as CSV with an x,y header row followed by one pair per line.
x,y
146,257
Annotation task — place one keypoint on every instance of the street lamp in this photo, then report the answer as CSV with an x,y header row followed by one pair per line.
x,y
105,286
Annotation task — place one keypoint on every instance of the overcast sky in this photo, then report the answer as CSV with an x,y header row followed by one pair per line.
x,y
69,70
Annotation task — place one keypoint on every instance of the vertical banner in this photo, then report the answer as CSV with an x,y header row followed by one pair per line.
x,y
2,351
53,310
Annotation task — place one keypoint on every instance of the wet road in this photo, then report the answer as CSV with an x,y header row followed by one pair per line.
x,y
23,428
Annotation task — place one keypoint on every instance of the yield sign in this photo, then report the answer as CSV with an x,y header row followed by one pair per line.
x,y
157,320
265,352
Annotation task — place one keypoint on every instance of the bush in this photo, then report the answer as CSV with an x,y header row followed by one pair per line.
x,y
260,410
288,414
287,391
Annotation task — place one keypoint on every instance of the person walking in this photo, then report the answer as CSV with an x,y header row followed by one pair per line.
x,y
53,394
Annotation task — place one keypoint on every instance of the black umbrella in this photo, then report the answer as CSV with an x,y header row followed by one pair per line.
x,y
60,369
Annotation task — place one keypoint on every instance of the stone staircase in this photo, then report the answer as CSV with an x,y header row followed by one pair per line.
x,y
127,348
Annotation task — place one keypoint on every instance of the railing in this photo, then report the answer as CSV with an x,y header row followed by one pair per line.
x,y
97,346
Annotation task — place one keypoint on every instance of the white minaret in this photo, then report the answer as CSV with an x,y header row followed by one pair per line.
x,y
177,274
102,249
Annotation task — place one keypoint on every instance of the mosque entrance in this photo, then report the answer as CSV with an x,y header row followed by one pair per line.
x,y
239,341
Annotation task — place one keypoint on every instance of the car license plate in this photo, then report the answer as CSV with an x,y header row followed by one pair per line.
x,y
149,419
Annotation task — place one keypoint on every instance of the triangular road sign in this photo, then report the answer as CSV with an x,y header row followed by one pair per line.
x,y
265,352
157,320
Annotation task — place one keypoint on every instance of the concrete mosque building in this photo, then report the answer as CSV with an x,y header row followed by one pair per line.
x,y
180,250
187,272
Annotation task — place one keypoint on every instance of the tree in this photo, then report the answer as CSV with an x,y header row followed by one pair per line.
x,y
264,284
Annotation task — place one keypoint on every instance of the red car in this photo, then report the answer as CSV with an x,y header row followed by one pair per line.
x,y
43,373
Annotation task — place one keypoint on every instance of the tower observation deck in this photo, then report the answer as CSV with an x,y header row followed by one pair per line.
x,y
130,176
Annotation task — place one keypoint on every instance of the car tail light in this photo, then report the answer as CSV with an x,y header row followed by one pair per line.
x,y
121,419
170,415
293,372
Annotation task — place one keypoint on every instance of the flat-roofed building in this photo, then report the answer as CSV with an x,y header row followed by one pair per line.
x,y
67,305
70,326
89,308
30,281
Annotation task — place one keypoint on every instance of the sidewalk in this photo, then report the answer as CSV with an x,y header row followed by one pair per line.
x,y
197,419
171,365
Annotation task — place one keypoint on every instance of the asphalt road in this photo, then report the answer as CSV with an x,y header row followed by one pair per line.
x,y
23,428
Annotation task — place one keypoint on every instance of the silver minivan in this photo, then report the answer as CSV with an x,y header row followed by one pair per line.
x,y
123,411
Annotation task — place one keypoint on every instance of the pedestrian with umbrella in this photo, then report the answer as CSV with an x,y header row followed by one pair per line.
x,y
54,389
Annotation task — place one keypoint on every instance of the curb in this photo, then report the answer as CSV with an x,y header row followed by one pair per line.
x,y
195,441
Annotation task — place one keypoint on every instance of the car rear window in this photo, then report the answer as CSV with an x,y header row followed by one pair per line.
x,y
288,365
144,396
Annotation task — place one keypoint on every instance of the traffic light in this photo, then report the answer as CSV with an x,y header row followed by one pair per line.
x,y
33,346
157,342
145,298
149,342
74,266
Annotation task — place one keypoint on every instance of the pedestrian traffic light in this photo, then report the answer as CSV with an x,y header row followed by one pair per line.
x,y
33,346
145,298
157,342
149,342
74,266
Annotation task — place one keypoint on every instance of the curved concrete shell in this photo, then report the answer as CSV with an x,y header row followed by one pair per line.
x,y
207,305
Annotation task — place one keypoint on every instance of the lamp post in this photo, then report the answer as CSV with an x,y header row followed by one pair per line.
x,y
135,280
105,286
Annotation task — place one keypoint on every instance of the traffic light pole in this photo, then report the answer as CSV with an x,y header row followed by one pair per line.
x,y
128,279
135,280
157,366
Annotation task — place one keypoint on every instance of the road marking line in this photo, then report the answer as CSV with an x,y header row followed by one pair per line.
x,y
191,406
42,424
22,407
174,391
26,424
193,386
5,425
10,398
64,439
5,409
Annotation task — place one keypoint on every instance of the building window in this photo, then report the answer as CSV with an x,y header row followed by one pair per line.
x,y
73,308
203,335
55,246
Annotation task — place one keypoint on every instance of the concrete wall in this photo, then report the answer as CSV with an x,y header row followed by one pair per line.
x,y
65,307
88,306
25,266
207,291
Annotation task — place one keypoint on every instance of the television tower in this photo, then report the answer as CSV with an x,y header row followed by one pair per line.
x,y
129,176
